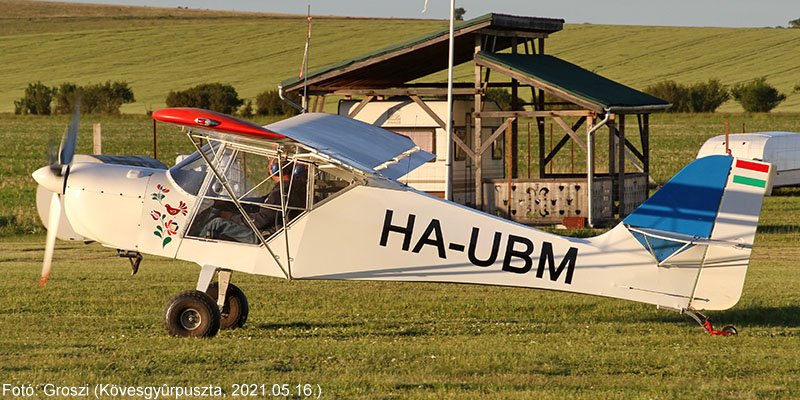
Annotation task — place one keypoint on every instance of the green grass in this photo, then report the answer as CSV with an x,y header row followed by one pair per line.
x,y
158,50
94,323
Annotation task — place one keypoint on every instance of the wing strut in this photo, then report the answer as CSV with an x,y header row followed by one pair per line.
x,y
241,209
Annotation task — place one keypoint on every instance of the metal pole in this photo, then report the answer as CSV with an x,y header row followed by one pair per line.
x,y
155,140
448,187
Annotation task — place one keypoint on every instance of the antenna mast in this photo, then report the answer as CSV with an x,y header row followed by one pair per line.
x,y
304,66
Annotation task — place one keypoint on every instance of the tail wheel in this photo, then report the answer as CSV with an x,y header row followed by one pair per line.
x,y
234,311
192,313
730,330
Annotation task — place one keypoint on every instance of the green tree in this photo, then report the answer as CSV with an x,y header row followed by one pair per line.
x,y
707,96
105,98
672,92
795,23
36,100
211,96
64,98
459,13
269,103
757,95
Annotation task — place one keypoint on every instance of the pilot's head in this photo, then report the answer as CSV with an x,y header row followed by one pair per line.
x,y
296,171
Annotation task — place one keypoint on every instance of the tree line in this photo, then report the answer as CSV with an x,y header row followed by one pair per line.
x,y
754,96
107,98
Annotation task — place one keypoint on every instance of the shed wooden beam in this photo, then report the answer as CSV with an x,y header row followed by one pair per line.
x,y
562,142
428,111
360,106
521,34
522,114
499,131
570,132
399,92
460,143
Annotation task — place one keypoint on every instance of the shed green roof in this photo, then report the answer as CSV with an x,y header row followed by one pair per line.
x,y
419,57
572,82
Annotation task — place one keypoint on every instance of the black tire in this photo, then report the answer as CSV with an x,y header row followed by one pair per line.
x,y
234,312
730,329
192,314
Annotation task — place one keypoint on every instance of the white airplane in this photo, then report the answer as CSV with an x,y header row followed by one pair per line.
x,y
316,196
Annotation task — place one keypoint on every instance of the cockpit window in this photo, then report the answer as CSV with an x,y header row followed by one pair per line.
x,y
264,187
190,173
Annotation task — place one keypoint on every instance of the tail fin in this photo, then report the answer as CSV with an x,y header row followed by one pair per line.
x,y
706,217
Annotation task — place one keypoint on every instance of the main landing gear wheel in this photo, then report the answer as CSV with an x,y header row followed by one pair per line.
x,y
234,312
192,313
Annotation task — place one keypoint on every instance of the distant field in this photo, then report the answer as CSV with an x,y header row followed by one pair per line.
x,y
158,50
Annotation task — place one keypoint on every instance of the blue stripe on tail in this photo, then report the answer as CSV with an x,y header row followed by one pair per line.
x,y
689,202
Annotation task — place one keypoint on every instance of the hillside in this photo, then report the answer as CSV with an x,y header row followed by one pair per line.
x,y
158,50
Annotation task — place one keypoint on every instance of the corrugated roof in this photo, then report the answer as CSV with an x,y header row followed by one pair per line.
x,y
572,82
395,65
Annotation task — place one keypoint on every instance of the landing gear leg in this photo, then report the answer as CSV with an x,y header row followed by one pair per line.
x,y
231,301
705,322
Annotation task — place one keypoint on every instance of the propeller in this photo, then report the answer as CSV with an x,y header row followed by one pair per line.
x,y
56,182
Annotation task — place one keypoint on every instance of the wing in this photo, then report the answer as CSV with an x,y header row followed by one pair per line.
x,y
364,147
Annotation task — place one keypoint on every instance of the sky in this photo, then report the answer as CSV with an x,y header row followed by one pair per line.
x,y
727,13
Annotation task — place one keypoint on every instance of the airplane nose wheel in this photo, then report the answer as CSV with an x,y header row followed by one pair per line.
x,y
234,311
192,313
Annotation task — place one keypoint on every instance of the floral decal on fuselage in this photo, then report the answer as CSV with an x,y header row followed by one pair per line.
x,y
166,227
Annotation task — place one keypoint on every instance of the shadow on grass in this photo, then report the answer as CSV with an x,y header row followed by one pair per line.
x,y
763,316
784,316
345,329
780,229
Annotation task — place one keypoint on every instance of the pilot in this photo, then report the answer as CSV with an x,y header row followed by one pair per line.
x,y
232,226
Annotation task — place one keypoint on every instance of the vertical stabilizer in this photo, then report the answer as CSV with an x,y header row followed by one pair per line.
x,y
705,218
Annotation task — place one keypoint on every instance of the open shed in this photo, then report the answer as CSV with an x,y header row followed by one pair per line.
x,y
600,186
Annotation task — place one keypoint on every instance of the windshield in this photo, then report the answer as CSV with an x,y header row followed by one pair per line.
x,y
189,173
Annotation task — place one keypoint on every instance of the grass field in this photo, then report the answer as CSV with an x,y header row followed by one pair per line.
x,y
158,50
94,324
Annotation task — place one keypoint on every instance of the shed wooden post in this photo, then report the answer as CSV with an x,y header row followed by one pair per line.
x,y
621,154
97,139
645,136
514,154
478,131
612,162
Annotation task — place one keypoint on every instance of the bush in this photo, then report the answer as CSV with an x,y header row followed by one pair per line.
x,y
708,96
99,98
64,97
105,98
757,95
269,103
699,97
36,100
211,96
672,92
247,109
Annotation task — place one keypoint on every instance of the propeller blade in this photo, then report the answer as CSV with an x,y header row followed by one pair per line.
x,y
50,244
71,137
